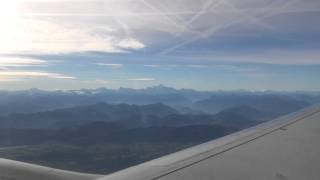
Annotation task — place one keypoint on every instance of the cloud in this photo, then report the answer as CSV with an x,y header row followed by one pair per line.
x,y
235,68
9,80
199,66
152,65
130,44
111,65
162,28
264,56
102,81
276,56
44,36
141,79
32,74
20,62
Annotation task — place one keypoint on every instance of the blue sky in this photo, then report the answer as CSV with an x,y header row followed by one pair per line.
x,y
205,44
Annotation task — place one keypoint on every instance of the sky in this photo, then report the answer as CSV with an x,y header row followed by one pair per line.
x,y
203,44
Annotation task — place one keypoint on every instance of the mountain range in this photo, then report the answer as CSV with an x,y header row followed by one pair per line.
x,y
184,100
103,130
134,116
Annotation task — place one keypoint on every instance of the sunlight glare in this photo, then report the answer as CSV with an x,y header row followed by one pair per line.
x,y
10,25
8,10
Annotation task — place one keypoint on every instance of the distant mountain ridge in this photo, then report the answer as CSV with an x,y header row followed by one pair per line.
x,y
35,100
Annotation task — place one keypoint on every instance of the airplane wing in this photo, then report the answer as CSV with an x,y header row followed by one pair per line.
x,y
286,148
13,170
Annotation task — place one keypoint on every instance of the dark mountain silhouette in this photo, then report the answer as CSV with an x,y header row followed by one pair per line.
x,y
249,113
100,132
131,116
274,105
127,115
104,133
101,147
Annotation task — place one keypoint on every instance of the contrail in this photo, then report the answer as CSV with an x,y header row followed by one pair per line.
x,y
282,8
170,20
109,15
213,30
203,10
206,33
124,26
252,18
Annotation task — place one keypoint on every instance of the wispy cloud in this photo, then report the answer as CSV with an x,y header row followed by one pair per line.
x,y
234,68
152,65
111,65
130,44
8,80
212,40
141,79
164,28
102,81
198,66
32,74
264,56
58,36
20,62
213,66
